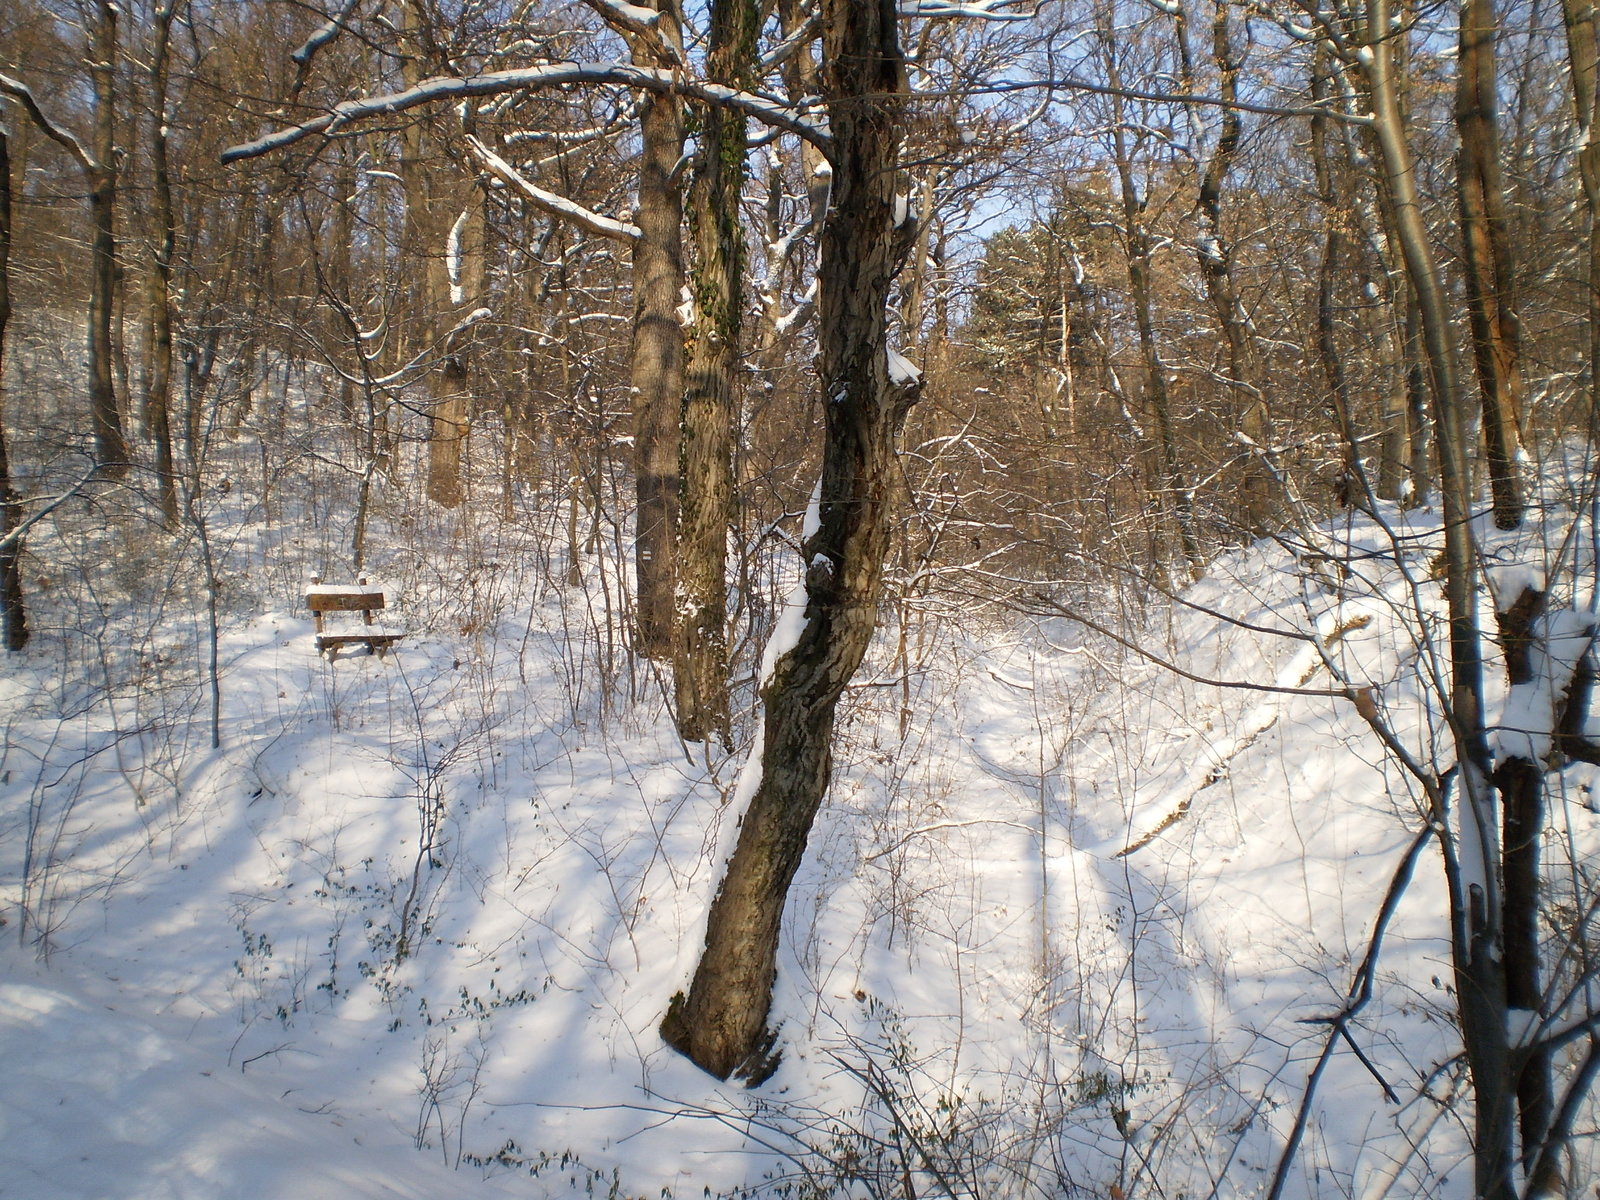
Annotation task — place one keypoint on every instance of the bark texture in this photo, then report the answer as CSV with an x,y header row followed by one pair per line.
x,y
1487,261
444,226
110,444
13,611
700,647
722,1023
657,368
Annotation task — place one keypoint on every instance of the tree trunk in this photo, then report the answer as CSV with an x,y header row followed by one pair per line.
x,y
1520,782
1216,269
1486,260
1136,245
721,1024
701,646
456,290
1418,423
158,400
13,611
1583,53
444,227
1352,484
657,368
110,446
1477,939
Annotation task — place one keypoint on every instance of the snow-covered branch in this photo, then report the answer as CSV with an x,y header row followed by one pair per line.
x,y
51,503
632,18
23,95
453,88
329,30
984,10
549,202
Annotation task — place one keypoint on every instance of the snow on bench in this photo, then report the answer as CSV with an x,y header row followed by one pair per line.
x,y
345,597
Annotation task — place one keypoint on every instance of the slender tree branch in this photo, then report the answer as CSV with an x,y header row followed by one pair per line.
x,y
452,88
549,202
23,95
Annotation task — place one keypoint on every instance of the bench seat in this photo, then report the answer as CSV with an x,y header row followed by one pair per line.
x,y
377,641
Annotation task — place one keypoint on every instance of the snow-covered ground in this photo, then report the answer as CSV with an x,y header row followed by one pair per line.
x,y
410,928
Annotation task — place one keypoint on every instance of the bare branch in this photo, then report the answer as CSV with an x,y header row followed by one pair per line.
x,y
1243,685
549,202
451,88
52,503
23,95
329,30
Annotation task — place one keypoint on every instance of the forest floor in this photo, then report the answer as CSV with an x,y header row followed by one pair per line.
x,y
409,929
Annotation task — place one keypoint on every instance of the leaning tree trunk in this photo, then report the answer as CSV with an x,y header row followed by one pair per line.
x,y
1486,259
110,446
722,1023
657,368
700,673
1471,857
13,612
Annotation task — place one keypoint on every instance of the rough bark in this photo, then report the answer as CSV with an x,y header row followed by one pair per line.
x,y
657,367
700,671
441,205
110,445
1486,259
722,1023
13,609
450,415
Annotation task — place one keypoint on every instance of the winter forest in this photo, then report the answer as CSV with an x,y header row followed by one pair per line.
x,y
800,599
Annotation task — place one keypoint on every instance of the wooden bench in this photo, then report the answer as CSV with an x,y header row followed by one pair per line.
x,y
343,597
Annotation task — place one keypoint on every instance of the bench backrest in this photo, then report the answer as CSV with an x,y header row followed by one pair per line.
x,y
321,601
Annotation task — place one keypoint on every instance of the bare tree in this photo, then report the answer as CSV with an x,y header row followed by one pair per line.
x,y
1489,272
98,163
13,610
710,400
721,1024
158,399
